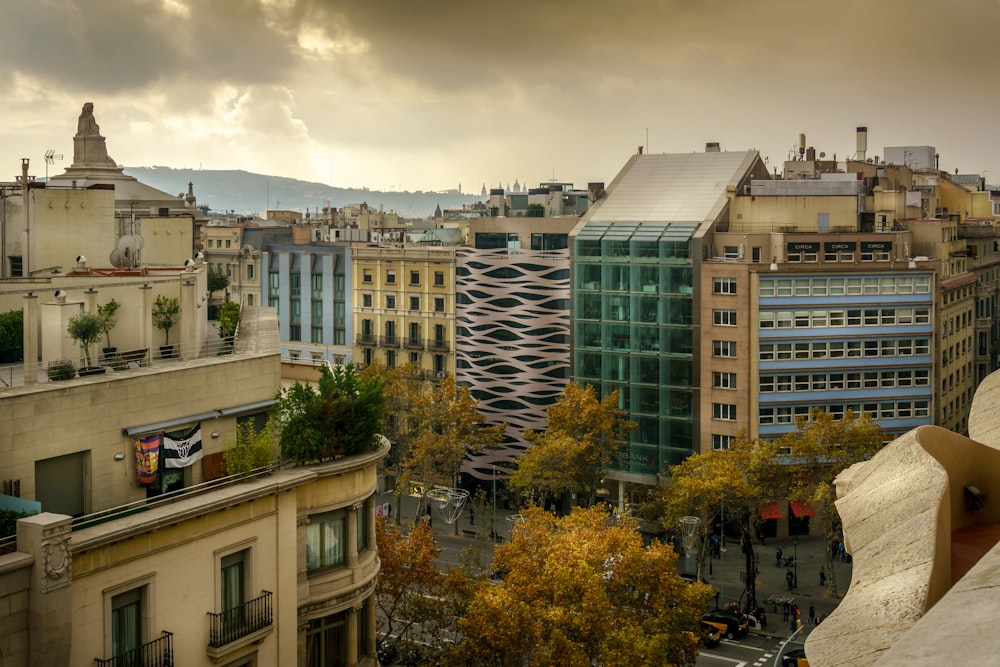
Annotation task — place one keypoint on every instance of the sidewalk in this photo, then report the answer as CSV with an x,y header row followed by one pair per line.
x,y
727,577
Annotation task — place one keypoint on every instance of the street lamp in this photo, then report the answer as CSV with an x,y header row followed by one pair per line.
x,y
795,562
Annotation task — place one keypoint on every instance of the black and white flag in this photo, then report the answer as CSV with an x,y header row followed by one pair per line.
x,y
182,449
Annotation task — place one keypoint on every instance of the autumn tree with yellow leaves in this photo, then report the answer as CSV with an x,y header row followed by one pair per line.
x,y
581,590
729,483
419,605
819,449
582,439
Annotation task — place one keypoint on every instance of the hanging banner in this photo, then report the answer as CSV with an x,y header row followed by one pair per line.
x,y
182,449
147,456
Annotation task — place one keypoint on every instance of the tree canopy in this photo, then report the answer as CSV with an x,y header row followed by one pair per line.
x,y
343,416
573,453
581,590
447,426
819,449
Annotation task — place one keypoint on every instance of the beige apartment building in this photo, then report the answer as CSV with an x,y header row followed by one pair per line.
x,y
403,298
278,568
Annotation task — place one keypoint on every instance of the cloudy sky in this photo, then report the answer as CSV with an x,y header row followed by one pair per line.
x,y
399,94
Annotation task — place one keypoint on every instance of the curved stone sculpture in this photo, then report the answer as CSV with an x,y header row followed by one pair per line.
x,y
899,511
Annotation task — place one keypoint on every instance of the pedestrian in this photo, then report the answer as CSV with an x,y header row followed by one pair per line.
x,y
812,614
777,557
389,510
841,552
834,547
784,611
717,598
822,576
472,516
789,577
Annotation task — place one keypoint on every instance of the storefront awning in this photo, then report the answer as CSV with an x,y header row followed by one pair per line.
x,y
801,508
770,511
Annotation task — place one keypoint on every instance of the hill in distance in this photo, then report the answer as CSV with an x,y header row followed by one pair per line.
x,y
247,192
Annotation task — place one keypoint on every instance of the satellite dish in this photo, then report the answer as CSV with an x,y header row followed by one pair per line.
x,y
822,155
117,258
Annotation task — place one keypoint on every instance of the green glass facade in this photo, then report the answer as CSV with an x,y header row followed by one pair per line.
x,y
633,285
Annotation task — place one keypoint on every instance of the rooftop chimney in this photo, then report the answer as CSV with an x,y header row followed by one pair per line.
x,y
712,147
862,144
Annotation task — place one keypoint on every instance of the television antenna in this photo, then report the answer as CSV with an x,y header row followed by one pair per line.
x,y
50,158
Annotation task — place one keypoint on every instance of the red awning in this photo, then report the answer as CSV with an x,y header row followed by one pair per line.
x,y
801,508
770,511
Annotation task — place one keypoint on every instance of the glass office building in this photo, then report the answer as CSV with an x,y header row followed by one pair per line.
x,y
633,304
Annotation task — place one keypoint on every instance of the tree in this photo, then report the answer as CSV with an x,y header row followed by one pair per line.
x,y
253,449
344,416
418,603
405,388
820,449
581,441
85,328
729,483
109,317
229,319
217,282
581,590
448,427
166,310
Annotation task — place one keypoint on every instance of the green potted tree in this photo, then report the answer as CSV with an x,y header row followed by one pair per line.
x,y
166,311
217,282
11,336
86,328
109,320
229,322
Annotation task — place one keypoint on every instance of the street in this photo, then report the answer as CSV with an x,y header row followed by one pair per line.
x,y
754,649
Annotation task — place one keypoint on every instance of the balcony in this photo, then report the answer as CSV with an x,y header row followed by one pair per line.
x,y
239,626
390,341
414,343
437,344
365,339
156,653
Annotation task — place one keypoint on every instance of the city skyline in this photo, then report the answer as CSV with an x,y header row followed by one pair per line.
x,y
396,96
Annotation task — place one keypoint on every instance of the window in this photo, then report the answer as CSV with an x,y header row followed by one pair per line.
x,y
366,300
228,242
127,621
414,303
316,282
390,358
249,271
724,380
326,640
16,264
724,285
724,318
724,411
439,278
326,539
390,301
295,284
724,348
414,277
249,299
439,304
366,275
233,571
721,441
362,515
390,276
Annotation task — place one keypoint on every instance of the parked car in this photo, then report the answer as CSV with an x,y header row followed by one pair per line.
x,y
737,625
712,633
795,658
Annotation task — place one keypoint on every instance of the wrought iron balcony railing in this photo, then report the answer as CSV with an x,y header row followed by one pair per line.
x,y
240,621
158,652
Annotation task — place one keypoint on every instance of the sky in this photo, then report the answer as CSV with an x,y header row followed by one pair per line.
x,y
405,95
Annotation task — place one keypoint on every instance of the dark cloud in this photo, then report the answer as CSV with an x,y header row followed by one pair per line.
x,y
104,46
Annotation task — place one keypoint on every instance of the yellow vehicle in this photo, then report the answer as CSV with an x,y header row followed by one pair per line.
x,y
712,633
